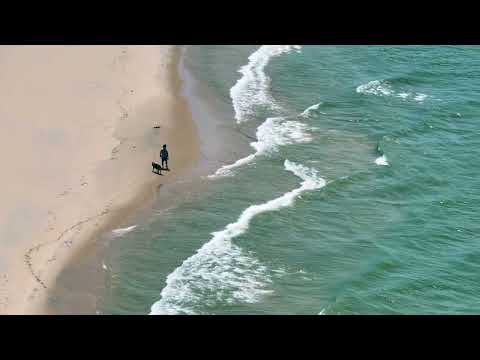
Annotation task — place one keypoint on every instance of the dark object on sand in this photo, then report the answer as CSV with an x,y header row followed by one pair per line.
x,y
156,127
164,156
157,167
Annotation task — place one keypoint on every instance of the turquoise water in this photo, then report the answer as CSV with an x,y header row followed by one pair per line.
x,y
359,194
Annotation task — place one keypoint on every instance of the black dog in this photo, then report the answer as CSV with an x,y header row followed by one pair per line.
x,y
157,167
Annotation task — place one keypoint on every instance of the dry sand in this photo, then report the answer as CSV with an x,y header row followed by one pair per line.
x,y
76,146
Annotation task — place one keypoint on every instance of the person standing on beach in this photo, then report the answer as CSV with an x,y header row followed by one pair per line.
x,y
164,156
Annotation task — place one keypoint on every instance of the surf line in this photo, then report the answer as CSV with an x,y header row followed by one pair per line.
x,y
218,255
252,88
272,133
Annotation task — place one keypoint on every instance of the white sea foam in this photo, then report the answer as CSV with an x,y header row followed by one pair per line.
x,y
252,89
403,95
274,132
123,231
376,87
220,271
384,88
225,170
306,112
382,161
420,97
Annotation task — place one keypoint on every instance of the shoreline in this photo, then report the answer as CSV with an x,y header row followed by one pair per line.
x,y
129,143
86,282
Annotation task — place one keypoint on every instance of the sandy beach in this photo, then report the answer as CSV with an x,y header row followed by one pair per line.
x,y
78,137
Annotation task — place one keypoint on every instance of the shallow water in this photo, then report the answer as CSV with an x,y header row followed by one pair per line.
x,y
357,195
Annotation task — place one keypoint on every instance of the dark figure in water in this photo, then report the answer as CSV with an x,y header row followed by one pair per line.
x,y
164,156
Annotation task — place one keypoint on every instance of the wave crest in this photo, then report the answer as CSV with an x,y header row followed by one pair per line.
x,y
252,89
272,134
221,271
384,88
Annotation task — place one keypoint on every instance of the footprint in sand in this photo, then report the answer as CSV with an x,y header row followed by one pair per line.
x,y
33,295
3,291
66,192
51,218
83,182
123,110
114,151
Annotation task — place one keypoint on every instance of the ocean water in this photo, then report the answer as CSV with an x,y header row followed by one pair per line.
x,y
352,188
